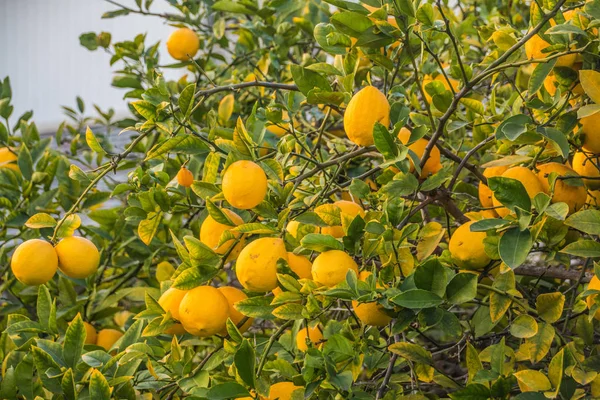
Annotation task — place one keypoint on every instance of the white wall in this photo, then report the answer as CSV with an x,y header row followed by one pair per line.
x,y
40,51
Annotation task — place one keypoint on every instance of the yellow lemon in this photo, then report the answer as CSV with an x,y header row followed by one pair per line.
x,y
467,248
440,77
256,267
8,159
591,129
370,313
90,333
282,391
107,338
551,84
300,265
185,177
433,164
211,231
313,334
244,184
330,267
34,262
534,47
233,295
590,300
593,198
524,175
121,317
348,208
78,257
282,128
203,311
183,44
170,301
366,107
574,196
485,193
586,164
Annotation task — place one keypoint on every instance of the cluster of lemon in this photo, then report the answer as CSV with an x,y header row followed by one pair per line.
x,y
104,338
35,261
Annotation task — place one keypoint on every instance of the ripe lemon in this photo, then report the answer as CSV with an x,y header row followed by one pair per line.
x,y
590,300
8,159
551,84
211,231
170,301
282,391
366,107
433,164
467,249
527,178
591,129
203,311
586,164
122,317
300,265
185,177
330,267
90,333
370,313
313,334
34,262
107,338
485,193
348,208
282,128
574,196
78,257
440,77
593,198
244,184
256,267
233,295
183,44
534,47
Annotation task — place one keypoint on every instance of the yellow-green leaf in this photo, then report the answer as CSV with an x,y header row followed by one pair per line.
x,y
524,326
550,306
539,345
40,220
225,108
93,142
590,82
411,352
429,238
71,223
532,381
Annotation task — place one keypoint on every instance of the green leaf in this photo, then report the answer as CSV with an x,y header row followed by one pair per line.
x,y
524,327
474,391
93,142
232,7
583,248
256,307
273,169
411,352
40,220
186,99
587,221
227,390
557,139
74,341
425,14
192,277
146,109
384,142
417,298
255,227
307,79
351,23
99,388
406,7
290,311
565,29
322,34
245,360
321,243
217,214
510,192
488,224
184,143
513,127
514,246
539,74
431,277
25,162
462,288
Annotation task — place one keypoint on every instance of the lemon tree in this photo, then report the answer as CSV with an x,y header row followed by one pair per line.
x,y
374,199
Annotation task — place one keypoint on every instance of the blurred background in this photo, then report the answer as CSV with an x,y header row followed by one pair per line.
x,y
47,66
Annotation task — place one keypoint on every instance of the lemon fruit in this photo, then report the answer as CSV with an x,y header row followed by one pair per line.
x,y
170,301
234,295
348,208
370,313
203,311
90,333
433,163
34,262
485,193
467,248
282,391
8,159
313,334
78,257
534,50
529,180
586,164
591,129
211,231
282,128
590,300
256,267
454,84
330,267
244,184
183,44
185,177
564,191
593,198
300,265
366,107
551,84
107,338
